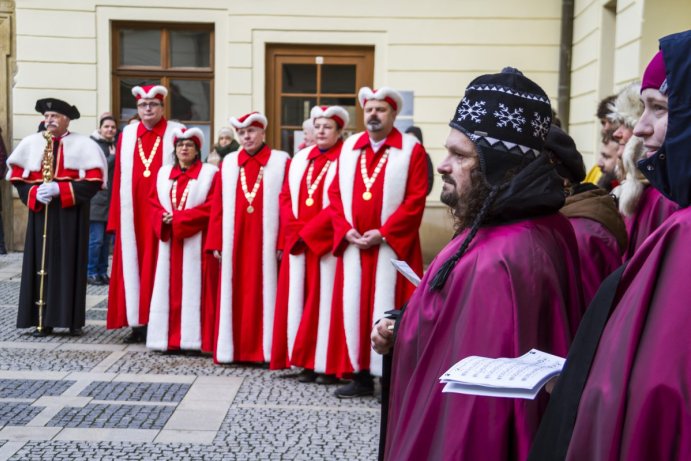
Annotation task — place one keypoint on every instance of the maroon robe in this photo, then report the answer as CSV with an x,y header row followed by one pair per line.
x,y
516,288
652,210
636,404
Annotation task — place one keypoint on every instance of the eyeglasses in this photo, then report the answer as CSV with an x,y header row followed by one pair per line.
x,y
149,105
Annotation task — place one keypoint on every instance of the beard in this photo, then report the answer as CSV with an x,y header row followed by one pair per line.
x,y
466,204
373,124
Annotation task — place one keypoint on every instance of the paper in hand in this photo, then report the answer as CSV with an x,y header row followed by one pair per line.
x,y
406,271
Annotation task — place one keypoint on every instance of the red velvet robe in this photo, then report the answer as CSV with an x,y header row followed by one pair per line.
x,y
652,210
183,284
402,241
301,322
141,240
247,283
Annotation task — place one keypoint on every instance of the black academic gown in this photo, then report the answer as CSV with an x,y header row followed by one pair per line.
x,y
66,252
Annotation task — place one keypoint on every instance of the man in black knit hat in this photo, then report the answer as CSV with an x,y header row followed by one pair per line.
x,y
508,281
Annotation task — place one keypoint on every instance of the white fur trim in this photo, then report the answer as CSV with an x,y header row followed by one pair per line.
x,y
79,152
331,111
366,93
272,183
255,117
130,261
138,92
190,327
296,292
395,179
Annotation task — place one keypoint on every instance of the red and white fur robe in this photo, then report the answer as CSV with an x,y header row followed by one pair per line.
x,y
272,183
193,250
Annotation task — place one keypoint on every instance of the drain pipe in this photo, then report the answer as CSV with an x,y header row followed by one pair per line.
x,y
565,47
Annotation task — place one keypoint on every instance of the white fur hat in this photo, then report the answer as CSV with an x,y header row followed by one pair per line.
x,y
336,113
150,92
252,119
627,108
195,134
384,93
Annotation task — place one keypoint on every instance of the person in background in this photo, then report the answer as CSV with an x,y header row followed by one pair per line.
x,y
624,391
308,139
99,240
244,236
181,205
225,145
55,178
606,126
592,212
417,132
3,172
306,281
139,156
609,163
377,202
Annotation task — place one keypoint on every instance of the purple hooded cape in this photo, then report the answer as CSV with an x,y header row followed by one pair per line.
x,y
517,287
652,210
600,254
636,404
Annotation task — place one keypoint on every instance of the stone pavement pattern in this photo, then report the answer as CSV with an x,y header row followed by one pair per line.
x,y
94,397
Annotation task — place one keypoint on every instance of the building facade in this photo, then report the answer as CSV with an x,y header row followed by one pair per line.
x,y
223,58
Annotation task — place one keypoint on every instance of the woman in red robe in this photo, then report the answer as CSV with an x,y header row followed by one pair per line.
x,y
305,286
181,204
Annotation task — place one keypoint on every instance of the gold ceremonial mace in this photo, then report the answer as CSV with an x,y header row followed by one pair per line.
x,y
47,170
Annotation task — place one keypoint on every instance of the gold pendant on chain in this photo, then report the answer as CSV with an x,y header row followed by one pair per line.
x,y
250,209
309,201
147,173
367,195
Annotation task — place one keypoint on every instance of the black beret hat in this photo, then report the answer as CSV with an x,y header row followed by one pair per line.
x,y
59,106
507,116
571,164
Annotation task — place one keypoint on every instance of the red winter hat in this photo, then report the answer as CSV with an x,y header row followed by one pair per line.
x,y
252,119
150,92
384,93
336,113
195,134
655,74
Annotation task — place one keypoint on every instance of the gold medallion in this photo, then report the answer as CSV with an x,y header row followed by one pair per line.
x,y
309,201
147,173
250,209
367,195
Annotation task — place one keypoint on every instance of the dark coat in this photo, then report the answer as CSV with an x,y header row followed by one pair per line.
x,y
100,203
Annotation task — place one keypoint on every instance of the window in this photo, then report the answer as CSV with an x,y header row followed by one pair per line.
x,y
178,56
300,77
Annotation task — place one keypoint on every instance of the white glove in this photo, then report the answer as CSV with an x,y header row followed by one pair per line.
x,y
42,195
52,188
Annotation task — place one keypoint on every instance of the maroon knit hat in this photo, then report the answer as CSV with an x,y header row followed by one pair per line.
x,y
655,74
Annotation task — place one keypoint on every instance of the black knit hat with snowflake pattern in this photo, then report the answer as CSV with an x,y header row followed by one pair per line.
x,y
507,116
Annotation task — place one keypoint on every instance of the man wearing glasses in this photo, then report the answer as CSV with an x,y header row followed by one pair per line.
x,y
142,149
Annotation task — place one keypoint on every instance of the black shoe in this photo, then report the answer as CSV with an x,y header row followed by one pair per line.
x,y
307,376
327,379
42,333
105,280
136,336
3,250
76,332
355,389
94,280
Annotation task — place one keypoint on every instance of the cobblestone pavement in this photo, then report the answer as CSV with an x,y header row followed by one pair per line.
x,y
94,397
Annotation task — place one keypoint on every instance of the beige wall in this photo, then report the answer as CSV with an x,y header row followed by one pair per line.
x,y
6,71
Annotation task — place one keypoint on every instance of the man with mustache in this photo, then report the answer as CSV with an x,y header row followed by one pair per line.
x,y
78,169
508,281
377,198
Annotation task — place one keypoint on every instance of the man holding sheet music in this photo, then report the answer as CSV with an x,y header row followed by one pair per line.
x,y
508,281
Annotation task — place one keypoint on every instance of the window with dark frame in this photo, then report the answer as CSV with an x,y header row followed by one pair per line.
x,y
178,56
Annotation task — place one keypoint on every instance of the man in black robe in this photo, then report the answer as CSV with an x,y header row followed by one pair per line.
x,y
76,172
